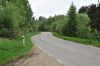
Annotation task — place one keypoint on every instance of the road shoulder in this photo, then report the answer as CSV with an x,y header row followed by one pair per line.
x,y
37,58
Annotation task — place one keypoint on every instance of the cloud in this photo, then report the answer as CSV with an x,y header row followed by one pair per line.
x,y
48,8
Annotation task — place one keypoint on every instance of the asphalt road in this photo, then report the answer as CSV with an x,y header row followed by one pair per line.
x,y
67,52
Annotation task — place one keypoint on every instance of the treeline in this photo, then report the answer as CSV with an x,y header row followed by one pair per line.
x,y
15,18
73,24
93,11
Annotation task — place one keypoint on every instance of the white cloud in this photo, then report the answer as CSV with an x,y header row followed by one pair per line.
x,y
48,8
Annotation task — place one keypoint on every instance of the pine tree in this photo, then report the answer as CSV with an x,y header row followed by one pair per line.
x,y
72,21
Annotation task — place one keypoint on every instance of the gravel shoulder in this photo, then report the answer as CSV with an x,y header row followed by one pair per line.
x,y
37,58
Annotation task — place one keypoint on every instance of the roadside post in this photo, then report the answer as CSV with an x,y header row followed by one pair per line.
x,y
23,40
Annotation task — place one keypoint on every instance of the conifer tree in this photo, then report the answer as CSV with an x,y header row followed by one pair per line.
x,y
72,22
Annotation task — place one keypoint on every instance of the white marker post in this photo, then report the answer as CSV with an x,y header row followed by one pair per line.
x,y
23,40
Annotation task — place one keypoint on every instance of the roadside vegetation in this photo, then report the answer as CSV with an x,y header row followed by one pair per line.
x,y
81,26
78,40
12,49
16,20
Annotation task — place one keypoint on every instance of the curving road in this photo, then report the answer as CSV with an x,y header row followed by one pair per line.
x,y
67,52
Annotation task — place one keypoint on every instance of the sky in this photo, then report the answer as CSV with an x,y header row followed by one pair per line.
x,y
48,8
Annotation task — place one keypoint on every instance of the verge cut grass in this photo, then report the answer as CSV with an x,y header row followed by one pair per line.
x,y
12,49
79,40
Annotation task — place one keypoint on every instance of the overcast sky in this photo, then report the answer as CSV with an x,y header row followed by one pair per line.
x,y
48,8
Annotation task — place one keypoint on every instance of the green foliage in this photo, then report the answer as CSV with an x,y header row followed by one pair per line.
x,y
59,25
34,27
72,22
93,11
79,40
83,29
83,9
7,24
12,49
41,23
44,24
48,23
15,18
73,25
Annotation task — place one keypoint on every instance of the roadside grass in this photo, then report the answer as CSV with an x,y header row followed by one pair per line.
x,y
12,49
79,40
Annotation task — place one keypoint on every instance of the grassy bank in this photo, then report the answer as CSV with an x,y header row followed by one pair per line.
x,y
11,49
79,40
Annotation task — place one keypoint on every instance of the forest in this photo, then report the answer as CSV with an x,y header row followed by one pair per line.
x,y
16,18
84,23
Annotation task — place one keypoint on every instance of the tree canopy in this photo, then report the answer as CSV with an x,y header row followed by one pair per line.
x,y
15,18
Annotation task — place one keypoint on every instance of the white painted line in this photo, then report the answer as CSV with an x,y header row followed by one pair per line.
x,y
51,55
60,61
55,58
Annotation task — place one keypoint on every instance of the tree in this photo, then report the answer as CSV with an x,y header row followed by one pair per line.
x,y
92,11
83,9
7,21
72,22
59,24
83,30
41,23
48,23
95,25
15,18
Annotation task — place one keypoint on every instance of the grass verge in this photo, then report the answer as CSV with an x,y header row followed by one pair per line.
x,y
12,49
79,40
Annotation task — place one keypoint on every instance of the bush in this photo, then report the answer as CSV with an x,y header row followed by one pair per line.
x,y
83,29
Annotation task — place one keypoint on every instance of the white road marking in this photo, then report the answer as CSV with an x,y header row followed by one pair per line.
x,y
51,55
60,61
